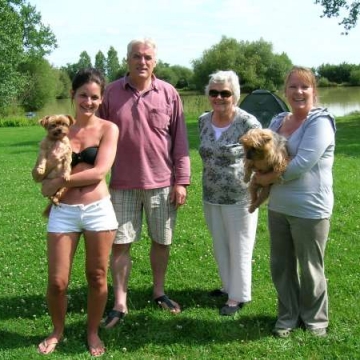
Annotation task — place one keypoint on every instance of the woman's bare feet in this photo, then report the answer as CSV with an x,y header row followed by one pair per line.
x,y
96,346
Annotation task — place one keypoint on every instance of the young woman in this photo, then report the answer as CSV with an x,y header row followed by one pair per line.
x,y
84,209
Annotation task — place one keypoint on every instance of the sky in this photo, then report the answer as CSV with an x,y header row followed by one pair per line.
x,y
184,29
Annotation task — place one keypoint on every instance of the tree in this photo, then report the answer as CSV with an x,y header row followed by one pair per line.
x,y
332,8
11,49
100,62
70,69
22,38
254,62
38,39
338,74
176,75
84,61
41,84
164,72
112,64
184,76
123,68
63,84
355,77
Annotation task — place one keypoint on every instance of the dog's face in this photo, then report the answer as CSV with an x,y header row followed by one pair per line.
x,y
57,126
258,144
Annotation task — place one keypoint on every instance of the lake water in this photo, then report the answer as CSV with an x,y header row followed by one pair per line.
x,y
339,101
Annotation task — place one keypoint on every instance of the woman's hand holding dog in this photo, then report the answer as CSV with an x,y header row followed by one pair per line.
x,y
266,179
51,186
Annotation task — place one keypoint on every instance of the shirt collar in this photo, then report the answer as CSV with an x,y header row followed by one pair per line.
x,y
154,82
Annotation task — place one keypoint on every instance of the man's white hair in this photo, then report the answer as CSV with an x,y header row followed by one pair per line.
x,y
145,41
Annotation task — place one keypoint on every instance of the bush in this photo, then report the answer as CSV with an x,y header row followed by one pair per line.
x,y
355,77
324,82
17,121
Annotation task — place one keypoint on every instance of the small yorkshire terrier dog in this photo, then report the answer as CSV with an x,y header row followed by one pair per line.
x,y
54,158
265,151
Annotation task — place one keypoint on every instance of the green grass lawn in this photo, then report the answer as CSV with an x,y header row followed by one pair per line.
x,y
198,332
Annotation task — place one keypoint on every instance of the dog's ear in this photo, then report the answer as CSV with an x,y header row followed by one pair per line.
x,y
71,119
44,121
243,139
266,135
266,138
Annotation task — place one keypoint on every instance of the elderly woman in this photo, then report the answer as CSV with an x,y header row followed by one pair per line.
x,y
300,206
225,195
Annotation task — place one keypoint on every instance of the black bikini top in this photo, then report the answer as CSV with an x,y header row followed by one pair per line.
x,y
88,156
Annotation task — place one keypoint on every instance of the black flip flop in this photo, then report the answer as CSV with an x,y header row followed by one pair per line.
x,y
228,310
165,303
113,314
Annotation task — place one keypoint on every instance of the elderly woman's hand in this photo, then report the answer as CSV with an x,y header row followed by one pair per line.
x,y
51,186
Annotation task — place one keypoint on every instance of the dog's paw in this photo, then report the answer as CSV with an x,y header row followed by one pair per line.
x,y
40,170
54,200
66,177
247,179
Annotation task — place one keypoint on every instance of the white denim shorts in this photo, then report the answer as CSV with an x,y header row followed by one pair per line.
x,y
160,214
97,216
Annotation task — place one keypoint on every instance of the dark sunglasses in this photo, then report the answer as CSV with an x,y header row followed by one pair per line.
x,y
223,93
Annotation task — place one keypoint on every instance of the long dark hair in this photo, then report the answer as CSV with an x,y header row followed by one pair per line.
x,y
85,76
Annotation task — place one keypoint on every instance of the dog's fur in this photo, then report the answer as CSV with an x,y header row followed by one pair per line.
x,y
265,151
54,158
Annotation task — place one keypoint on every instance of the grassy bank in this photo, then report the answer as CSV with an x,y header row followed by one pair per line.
x,y
198,332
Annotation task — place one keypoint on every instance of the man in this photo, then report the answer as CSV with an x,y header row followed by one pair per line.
x,y
150,172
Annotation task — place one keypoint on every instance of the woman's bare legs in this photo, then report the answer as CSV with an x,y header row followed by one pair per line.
x,y
60,253
98,246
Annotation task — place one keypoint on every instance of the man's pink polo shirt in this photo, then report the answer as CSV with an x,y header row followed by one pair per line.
x,y
153,148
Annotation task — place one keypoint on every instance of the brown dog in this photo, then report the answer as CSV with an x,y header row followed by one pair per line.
x,y
54,158
265,151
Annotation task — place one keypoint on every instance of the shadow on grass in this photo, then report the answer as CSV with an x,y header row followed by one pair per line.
x,y
34,143
144,325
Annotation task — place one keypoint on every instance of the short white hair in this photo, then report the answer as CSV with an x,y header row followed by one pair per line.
x,y
225,77
145,41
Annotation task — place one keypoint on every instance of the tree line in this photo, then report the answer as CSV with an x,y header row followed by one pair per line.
x,y
29,81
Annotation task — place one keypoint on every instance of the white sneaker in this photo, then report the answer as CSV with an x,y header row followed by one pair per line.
x,y
319,332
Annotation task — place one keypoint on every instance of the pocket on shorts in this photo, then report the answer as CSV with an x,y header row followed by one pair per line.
x,y
159,118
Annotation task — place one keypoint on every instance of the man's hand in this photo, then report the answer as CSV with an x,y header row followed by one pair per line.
x,y
178,195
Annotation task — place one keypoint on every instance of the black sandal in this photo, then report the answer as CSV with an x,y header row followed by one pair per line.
x,y
165,303
113,314
217,293
228,310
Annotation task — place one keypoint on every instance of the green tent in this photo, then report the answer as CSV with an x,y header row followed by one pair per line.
x,y
264,105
